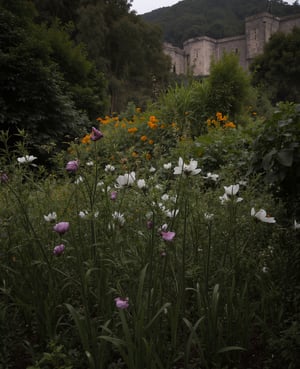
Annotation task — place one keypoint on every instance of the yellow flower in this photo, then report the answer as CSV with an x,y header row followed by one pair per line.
x,y
138,110
132,130
144,138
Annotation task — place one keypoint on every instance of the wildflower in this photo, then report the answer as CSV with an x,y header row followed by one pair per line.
x,y
83,214
141,183
109,168
3,178
168,166
148,156
86,139
165,197
90,163
26,159
229,125
78,180
72,166
151,142
296,225
208,216
96,134
132,130
149,224
144,138
50,217
126,180
61,227
168,236
232,189
171,213
152,170
265,269
113,195
213,177
262,216
122,303
58,250
190,168
119,217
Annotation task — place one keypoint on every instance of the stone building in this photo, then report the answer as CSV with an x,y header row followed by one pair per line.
x,y
196,55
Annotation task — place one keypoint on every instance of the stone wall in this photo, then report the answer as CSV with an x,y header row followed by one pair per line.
x,y
197,53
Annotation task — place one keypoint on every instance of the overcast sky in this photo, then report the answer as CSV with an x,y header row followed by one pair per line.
x,y
144,6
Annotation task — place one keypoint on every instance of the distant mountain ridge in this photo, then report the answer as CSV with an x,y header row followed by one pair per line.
x,y
213,18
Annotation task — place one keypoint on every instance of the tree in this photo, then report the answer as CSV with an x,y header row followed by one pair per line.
x,y
228,85
278,68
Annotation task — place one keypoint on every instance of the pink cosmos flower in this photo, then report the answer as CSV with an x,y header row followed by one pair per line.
x,y
72,166
61,227
113,195
122,303
58,250
96,134
168,236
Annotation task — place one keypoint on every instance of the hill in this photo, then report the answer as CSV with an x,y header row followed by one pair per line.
x,y
214,18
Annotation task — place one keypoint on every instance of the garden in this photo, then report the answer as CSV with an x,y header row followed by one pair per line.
x,y
154,242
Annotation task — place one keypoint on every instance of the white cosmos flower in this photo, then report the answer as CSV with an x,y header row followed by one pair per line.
x,y
208,216
83,214
152,169
232,189
78,180
213,177
171,213
109,168
119,217
50,217
190,168
90,163
296,225
126,180
26,159
168,166
262,216
141,183
165,197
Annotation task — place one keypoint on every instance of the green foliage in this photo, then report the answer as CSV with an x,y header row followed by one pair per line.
x,y
277,70
276,153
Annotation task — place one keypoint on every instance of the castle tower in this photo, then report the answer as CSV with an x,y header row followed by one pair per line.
x,y
259,29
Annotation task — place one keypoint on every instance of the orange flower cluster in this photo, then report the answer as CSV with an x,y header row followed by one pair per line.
x,y
152,123
220,121
132,130
86,139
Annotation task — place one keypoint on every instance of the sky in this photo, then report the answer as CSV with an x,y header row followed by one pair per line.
x,y
144,6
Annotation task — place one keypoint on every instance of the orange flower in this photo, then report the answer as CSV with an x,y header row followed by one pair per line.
x,y
151,142
86,139
132,130
153,119
123,125
144,138
229,125
148,156
134,154
152,125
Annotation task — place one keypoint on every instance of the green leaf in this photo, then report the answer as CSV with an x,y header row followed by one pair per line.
x,y
267,159
285,157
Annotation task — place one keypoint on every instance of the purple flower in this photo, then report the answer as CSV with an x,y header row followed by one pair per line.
x,y
149,224
113,195
96,134
122,303
168,236
3,178
61,227
72,166
58,250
